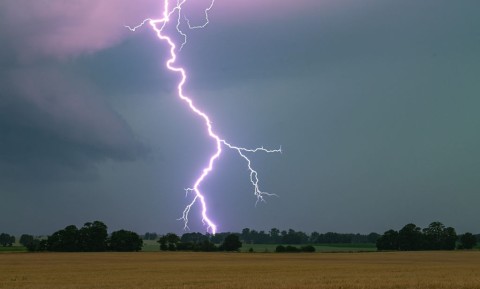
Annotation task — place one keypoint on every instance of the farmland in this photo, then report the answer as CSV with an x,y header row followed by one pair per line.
x,y
153,246
240,270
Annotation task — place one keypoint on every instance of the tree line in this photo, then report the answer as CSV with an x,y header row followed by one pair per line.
x,y
434,237
290,236
205,243
199,242
92,237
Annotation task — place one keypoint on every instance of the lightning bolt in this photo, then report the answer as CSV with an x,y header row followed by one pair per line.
x,y
158,25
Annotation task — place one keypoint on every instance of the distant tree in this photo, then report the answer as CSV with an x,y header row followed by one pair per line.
x,y
255,237
410,238
37,245
359,238
451,238
150,236
291,249
231,243
388,241
467,241
169,242
307,248
163,243
274,236
438,237
184,246
125,241
218,238
205,246
202,246
26,239
372,237
6,240
194,242
334,238
434,236
193,237
92,237
261,238
313,237
65,240
294,237
245,236
280,249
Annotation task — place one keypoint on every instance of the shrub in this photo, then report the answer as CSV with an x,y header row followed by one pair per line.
x,y
308,248
280,249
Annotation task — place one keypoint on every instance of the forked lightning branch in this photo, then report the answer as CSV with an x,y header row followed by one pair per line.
x,y
173,14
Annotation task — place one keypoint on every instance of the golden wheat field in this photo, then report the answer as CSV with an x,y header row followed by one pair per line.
x,y
240,270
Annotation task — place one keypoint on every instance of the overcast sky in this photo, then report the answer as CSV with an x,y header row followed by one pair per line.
x,y
375,104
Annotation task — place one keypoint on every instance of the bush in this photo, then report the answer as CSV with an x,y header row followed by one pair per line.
x,y
26,239
308,248
205,246
184,246
280,249
292,249
37,245
388,241
231,243
467,241
125,241
169,242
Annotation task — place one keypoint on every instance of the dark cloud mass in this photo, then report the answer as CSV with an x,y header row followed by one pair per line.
x,y
53,119
373,102
50,117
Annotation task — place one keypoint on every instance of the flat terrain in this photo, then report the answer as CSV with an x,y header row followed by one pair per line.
x,y
318,247
240,270
153,246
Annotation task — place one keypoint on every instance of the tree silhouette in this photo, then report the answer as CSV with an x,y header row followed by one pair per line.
x,y
231,243
125,241
467,241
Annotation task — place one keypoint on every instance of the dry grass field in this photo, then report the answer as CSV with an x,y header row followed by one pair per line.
x,y
240,270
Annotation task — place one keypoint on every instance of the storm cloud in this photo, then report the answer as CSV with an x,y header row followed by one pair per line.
x,y
373,102
53,118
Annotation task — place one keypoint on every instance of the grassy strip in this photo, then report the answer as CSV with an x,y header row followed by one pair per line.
x,y
13,249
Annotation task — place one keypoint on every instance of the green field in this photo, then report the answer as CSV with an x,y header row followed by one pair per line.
x,y
150,246
13,249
